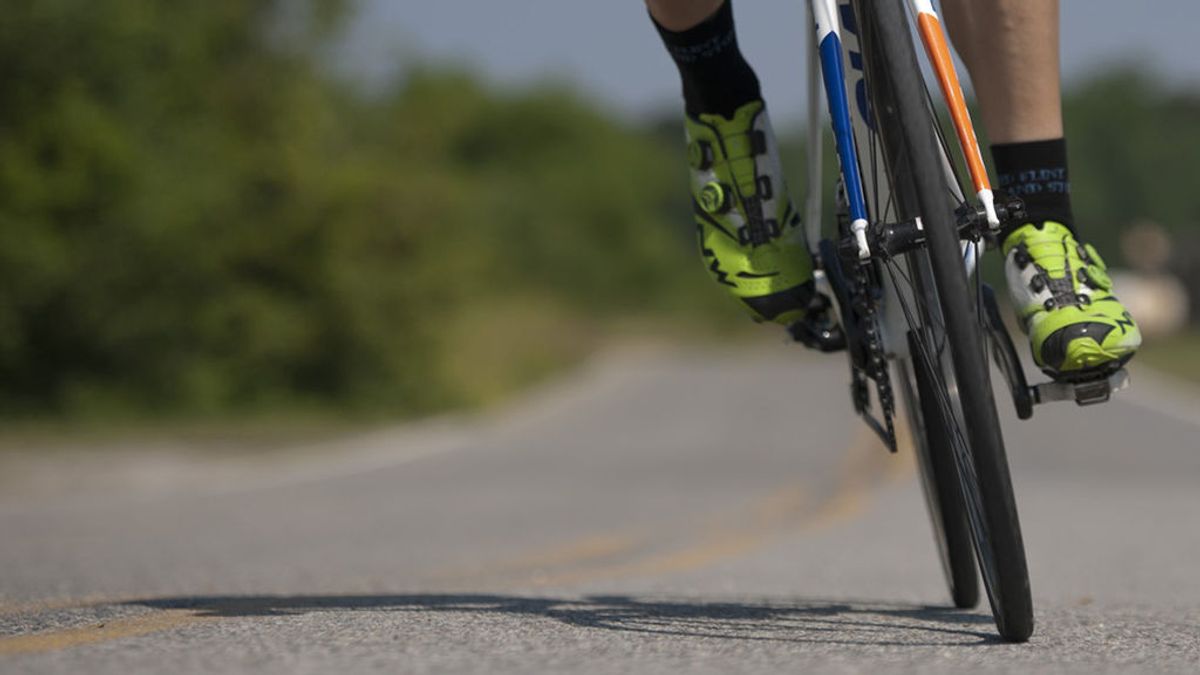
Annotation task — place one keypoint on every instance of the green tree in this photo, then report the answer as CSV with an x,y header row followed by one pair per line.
x,y
194,216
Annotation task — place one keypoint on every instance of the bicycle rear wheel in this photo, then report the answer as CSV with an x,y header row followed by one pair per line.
x,y
939,481
893,198
950,366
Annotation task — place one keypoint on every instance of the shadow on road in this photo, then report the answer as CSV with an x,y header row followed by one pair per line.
x,y
832,622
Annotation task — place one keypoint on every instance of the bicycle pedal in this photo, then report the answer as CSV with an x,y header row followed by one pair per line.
x,y
819,331
1084,392
821,328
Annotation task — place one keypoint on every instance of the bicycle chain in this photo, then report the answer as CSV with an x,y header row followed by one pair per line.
x,y
876,365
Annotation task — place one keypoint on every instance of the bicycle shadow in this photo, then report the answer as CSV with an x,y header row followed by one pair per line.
x,y
803,621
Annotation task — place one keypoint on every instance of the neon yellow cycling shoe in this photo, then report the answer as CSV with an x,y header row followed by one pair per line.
x,y
750,233
1061,290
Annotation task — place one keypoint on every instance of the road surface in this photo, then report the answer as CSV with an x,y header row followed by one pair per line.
x,y
662,511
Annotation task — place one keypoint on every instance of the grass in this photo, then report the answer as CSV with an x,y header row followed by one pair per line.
x,y
495,351
258,433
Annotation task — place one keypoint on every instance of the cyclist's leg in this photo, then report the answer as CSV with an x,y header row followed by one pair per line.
x,y
750,234
680,15
1061,289
1011,49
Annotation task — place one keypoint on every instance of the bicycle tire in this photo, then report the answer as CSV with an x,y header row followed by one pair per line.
x,y
982,465
939,484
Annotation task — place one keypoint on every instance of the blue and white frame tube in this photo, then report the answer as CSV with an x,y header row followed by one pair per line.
x,y
829,47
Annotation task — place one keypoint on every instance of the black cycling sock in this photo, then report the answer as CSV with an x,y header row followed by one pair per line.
x,y
716,77
1036,171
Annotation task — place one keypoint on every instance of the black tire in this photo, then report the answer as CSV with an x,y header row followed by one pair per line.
x,y
939,483
968,412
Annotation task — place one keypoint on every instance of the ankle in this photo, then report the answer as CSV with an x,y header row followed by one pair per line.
x,y
716,78
1036,171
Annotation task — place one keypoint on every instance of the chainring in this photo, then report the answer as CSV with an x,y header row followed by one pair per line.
x,y
858,290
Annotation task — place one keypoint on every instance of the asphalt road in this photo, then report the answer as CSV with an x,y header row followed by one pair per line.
x,y
660,512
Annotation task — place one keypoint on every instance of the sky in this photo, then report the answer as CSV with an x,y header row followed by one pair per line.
x,y
609,50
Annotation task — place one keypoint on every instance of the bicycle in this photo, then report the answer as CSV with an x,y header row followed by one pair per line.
x,y
908,302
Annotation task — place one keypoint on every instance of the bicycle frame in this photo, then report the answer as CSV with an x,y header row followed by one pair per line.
x,y
836,43
907,313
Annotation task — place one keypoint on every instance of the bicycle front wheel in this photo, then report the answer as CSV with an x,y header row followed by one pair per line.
x,y
946,334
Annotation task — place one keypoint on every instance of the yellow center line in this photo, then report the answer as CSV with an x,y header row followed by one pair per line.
x,y
589,549
865,466
594,557
42,606
606,555
115,629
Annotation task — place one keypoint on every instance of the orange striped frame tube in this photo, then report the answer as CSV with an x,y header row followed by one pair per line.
x,y
938,49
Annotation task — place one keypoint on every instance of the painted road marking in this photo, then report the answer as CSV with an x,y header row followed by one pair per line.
x,y
115,629
786,508
588,549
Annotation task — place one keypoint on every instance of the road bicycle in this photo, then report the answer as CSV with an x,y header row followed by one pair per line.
x,y
908,302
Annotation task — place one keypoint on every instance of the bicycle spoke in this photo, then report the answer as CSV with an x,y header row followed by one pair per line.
x,y
967,477
959,196
935,369
873,146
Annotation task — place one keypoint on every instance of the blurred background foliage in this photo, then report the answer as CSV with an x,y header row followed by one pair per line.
x,y
197,217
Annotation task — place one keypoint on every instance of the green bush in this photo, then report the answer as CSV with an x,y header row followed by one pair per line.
x,y
195,217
